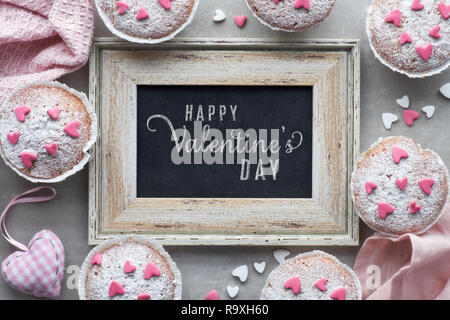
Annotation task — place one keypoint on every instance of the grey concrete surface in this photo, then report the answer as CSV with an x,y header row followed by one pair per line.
x,y
207,268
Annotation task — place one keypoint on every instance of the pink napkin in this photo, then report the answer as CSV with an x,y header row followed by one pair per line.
x,y
407,267
42,40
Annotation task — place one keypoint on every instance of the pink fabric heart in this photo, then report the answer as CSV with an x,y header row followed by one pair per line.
x,y
96,259
409,116
444,10
54,113
212,295
240,20
293,284
401,183
128,267
416,5
51,148
394,16
413,207
13,137
144,296
370,186
384,209
123,6
302,4
338,294
425,51
39,270
321,284
72,129
435,32
151,270
165,4
28,158
426,184
405,37
21,112
142,14
115,288
398,154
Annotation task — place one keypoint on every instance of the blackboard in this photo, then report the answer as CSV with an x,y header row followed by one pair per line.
x,y
265,118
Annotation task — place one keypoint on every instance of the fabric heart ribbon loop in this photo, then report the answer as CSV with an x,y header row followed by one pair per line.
x,y
23,198
36,269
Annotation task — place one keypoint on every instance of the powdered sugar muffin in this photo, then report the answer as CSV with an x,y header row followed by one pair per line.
x,y
313,275
290,15
146,21
46,130
398,187
410,36
129,268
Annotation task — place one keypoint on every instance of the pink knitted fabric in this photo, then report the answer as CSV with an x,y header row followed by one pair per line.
x,y
42,40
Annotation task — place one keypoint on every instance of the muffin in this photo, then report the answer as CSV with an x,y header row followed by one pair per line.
x,y
313,275
410,37
46,130
290,15
129,268
146,21
398,187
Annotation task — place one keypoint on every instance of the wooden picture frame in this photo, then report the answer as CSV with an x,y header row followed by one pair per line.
x,y
328,218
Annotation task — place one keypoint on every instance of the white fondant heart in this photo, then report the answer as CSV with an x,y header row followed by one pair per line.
x,y
403,102
429,110
241,272
280,255
388,119
232,291
445,90
259,267
220,16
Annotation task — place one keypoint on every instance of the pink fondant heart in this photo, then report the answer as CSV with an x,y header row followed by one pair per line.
x,y
444,10
398,154
240,20
28,158
370,186
338,294
142,14
414,208
39,270
276,1
151,270
426,184
13,137
384,209
72,129
401,183
123,6
405,37
96,259
395,16
128,267
293,284
321,284
51,148
416,5
302,4
115,288
409,116
435,32
54,113
165,4
425,51
144,296
21,112
212,295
